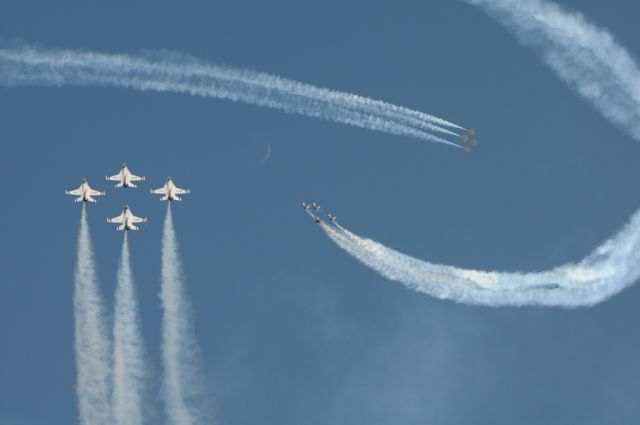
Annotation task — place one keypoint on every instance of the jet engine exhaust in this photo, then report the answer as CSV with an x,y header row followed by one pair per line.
x,y
609,269
187,400
22,64
92,341
584,56
129,352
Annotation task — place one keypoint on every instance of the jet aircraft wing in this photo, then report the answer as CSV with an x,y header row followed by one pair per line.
x,y
117,220
161,191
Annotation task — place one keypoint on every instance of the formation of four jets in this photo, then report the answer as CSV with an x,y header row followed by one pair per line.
x,y
125,178
470,139
313,208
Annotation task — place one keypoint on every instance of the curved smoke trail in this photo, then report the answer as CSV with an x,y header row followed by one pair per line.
x,y
187,399
586,57
610,268
171,72
92,342
130,372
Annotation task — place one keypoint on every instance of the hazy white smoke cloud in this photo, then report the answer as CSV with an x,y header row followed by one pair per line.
x,y
130,373
610,268
187,398
92,341
22,64
586,57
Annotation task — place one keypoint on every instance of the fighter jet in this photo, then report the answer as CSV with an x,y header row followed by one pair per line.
x,y
126,220
305,206
125,177
331,217
84,193
170,191
471,131
315,207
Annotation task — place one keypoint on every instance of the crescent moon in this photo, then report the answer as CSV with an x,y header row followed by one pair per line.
x,y
267,155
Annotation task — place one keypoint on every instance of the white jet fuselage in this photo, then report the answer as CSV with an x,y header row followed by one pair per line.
x,y
84,193
126,220
125,178
170,191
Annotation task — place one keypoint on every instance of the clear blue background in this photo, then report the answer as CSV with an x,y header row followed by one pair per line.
x,y
293,330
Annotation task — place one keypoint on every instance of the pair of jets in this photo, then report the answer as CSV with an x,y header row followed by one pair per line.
x,y
170,191
311,208
125,178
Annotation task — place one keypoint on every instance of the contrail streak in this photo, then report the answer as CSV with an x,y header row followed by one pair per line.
x,y
171,72
92,342
130,371
586,57
187,399
609,269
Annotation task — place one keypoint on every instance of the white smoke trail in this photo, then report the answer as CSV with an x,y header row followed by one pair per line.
x,y
130,371
170,72
586,57
188,402
610,268
92,342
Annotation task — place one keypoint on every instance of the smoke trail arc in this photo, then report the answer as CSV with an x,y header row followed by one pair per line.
x,y
92,341
584,56
170,72
609,269
129,353
187,399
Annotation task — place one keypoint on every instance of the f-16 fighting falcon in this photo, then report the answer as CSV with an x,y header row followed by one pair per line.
x,y
170,191
126,220
125,177
84,193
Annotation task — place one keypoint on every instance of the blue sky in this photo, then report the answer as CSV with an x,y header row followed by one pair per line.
x,y
292,329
